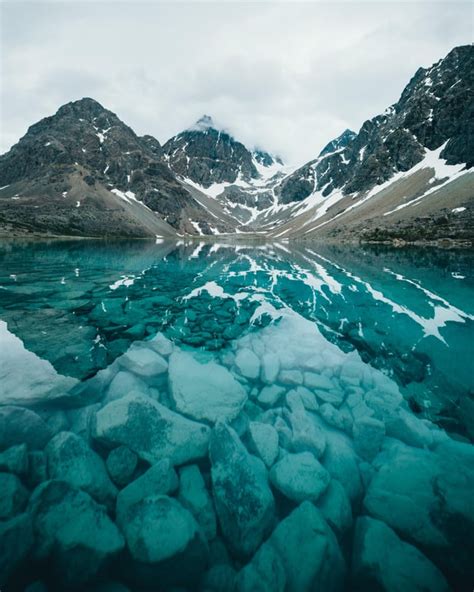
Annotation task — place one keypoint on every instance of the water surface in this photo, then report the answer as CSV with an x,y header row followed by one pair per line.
x,y
367,351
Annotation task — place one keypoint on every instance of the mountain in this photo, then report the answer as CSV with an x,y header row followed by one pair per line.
x,y
406,174
423,145
338,143
206,154
83,171
212,160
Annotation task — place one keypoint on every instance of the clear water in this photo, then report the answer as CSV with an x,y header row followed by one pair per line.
x,y
312,330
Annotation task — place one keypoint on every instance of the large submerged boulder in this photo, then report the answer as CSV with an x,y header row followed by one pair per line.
x,y
16,539
70,459
72,532
244,501
121,464
300,477
159,479
13,495
195,497
165,542
151,430
301,555
15,460
22,426
206,392
336,508
143,361
382,561
426,497
263,441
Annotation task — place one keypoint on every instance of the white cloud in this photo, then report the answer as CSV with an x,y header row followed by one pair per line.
x,y
285,76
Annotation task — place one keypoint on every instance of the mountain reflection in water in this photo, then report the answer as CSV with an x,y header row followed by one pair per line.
x,y
79,305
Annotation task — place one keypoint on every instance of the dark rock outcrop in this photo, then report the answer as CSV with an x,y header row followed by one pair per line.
x,y
206,155
435,109
85,157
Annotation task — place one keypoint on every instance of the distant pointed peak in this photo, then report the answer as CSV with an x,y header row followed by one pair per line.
x,y
340,142
265,158
204,123
86,106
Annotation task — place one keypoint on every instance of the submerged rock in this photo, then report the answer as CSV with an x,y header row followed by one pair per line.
x,y
15,460
247,363
125,383
301,396
291,377
194,496
204,391
219,578
161,345
301,555
244,501
318,382
263,441
165,542
300,477
382,561
70,459
143,361
13,495
270,395
368,437
340,460
22,426
335,506
426,498
121,464
16,539
151,430
270,368
72,532
408,428
159,479
307,436
37,467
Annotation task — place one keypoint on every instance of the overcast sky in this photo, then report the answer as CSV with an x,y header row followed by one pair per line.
x,y
286,76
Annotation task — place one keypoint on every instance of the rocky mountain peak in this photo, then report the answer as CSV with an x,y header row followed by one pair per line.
x,y
85,152
340,142
204,123
435,109
207,154
266,159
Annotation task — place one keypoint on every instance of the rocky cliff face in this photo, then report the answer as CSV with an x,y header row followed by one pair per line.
x,y
206,155
86,153
435,109
83,171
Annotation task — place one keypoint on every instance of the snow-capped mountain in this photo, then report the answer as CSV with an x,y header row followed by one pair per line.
x,y
83,171
207,155
369,183
407,174
407,171
210,159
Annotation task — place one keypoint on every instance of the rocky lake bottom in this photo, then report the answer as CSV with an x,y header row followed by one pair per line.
x,y
231,417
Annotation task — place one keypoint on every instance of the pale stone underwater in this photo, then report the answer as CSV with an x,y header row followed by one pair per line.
x,y
255,442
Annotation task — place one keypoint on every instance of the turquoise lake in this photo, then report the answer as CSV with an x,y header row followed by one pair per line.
x,y
231,416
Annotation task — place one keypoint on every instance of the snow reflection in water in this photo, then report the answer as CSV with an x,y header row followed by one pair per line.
x,y
254,399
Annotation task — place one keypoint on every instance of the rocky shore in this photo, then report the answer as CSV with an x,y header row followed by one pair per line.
x,y
269,466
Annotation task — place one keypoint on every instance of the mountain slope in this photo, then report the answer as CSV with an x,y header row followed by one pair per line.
x,y
369,185
419,148
407,174
83,171
213,161
435,109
